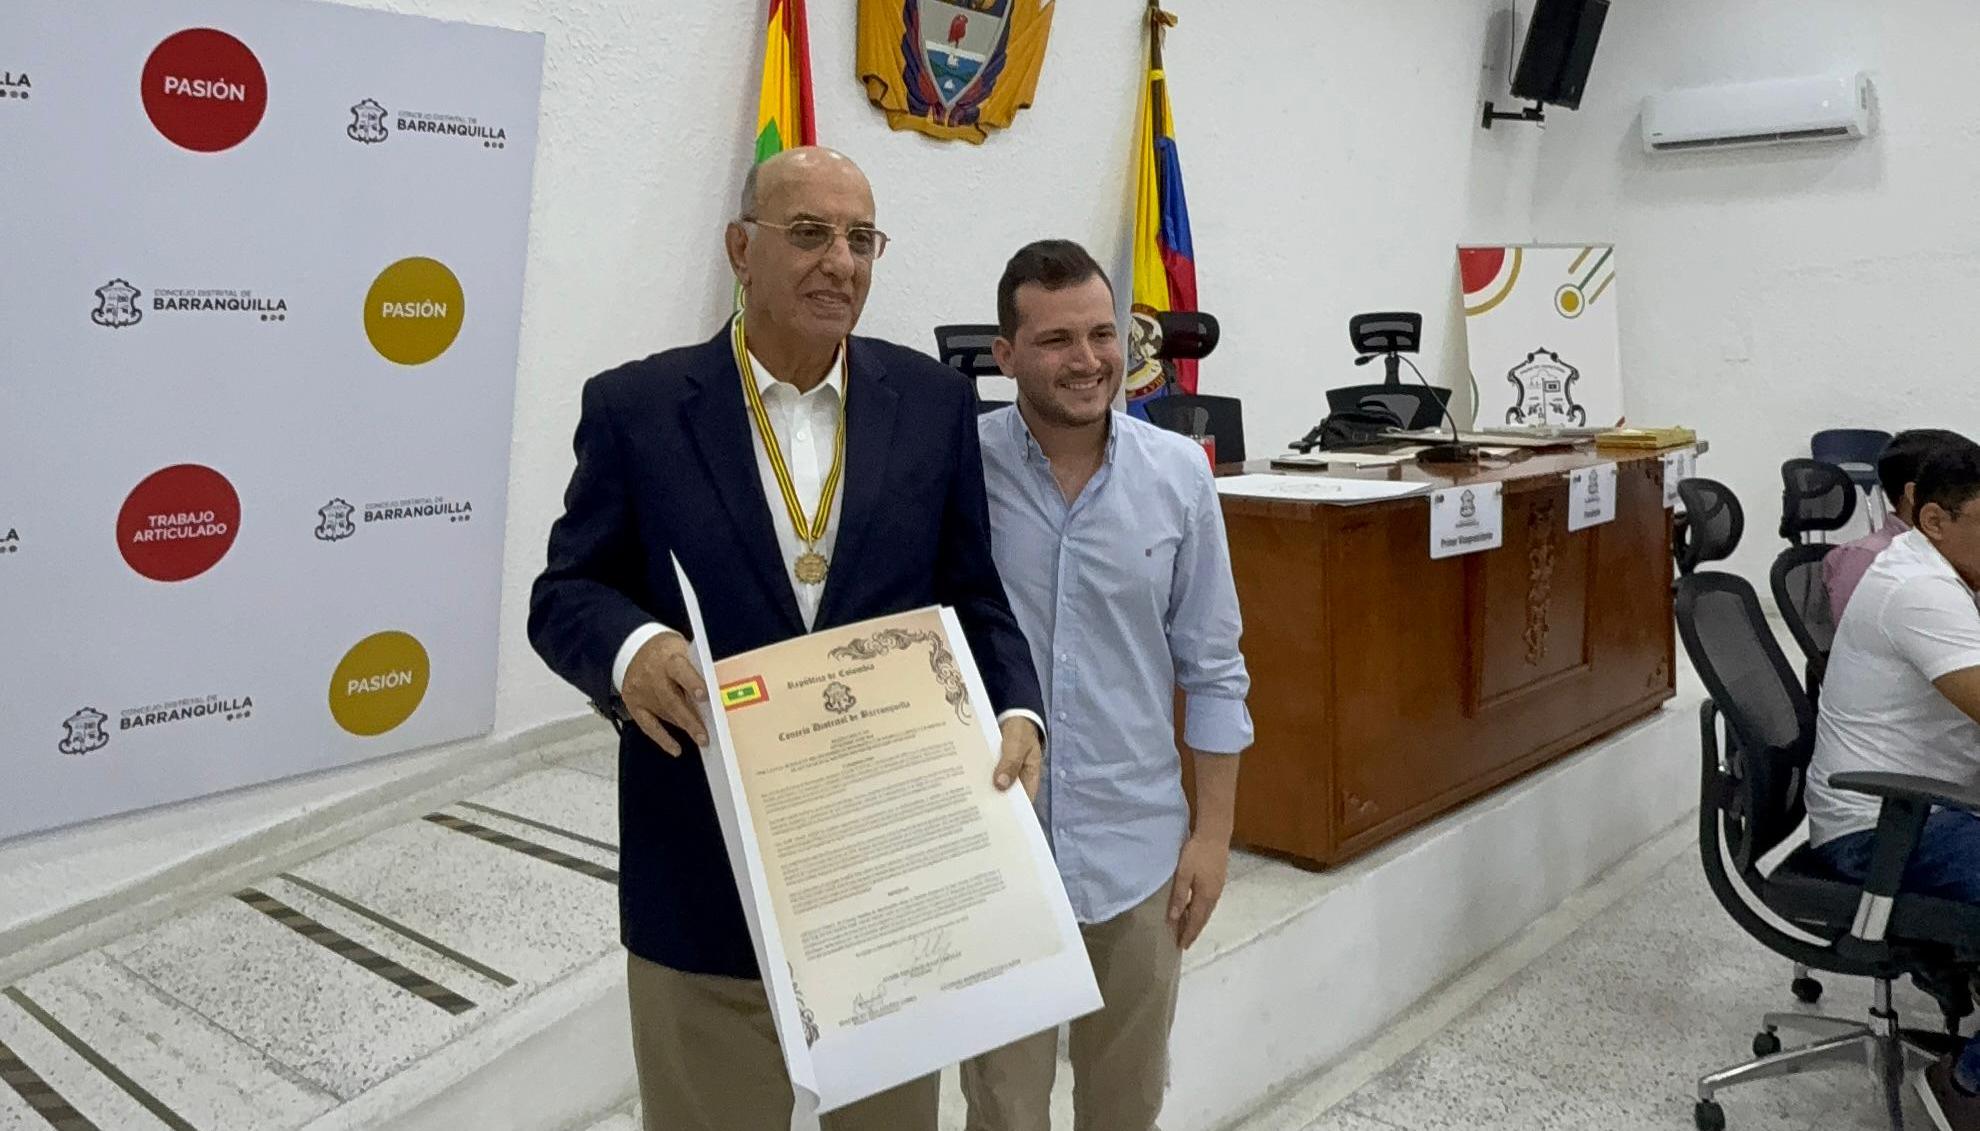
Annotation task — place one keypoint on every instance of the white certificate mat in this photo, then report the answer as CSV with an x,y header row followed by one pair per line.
x,y
1317,488
903,980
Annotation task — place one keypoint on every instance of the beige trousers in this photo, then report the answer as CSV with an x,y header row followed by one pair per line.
x,y
1120,1055
708,1060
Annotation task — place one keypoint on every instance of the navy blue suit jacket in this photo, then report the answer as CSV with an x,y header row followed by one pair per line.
x,y
666,464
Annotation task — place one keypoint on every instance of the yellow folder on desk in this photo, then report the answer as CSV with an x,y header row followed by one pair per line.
x,y
1647,439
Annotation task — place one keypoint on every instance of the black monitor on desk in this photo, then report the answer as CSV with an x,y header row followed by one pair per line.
x,y
1415,406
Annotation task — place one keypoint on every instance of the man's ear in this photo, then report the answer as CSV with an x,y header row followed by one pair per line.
x,y
1932,519
735,240
1001,349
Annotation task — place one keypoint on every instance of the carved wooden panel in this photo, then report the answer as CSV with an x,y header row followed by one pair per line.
x,y
1534,600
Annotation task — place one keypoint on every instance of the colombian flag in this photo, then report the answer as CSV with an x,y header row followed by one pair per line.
x,y
784,118
1164,256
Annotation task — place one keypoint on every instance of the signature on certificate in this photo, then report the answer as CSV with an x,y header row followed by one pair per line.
x,y
876,1003
931,953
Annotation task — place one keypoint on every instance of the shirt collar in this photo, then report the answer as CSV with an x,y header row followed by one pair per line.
x,y
1021,430
835,377
1923,550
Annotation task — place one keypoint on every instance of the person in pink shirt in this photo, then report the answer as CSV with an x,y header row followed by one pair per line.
x,y
1897,473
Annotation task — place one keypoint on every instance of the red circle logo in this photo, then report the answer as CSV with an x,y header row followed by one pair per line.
x,y
204,90
179,522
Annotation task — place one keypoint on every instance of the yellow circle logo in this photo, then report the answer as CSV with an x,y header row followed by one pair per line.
x,y
379,684
1568,300
413,312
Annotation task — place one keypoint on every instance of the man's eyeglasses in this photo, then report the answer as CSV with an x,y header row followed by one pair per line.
x,y
815,235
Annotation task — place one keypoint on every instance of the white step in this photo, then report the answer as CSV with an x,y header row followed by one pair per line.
x,y
433,974
223,1017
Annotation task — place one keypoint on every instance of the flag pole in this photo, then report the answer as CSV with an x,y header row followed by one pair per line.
x,y
1158,22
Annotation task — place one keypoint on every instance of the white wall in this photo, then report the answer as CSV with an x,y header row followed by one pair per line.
x,y
1333,160
1771,293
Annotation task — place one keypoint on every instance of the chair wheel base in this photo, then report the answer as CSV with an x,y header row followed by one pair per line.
x,y
1807,990
1709,1116
1766,1043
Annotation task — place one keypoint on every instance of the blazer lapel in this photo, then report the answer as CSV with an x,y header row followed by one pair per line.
x,y
717,418
871,404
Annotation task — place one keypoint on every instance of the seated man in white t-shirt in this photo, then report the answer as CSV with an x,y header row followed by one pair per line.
x,y
1902,695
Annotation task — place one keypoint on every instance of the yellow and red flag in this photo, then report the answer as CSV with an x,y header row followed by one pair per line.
x,y
784,118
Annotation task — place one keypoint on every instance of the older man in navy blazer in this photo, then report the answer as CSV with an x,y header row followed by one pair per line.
x,y
805,478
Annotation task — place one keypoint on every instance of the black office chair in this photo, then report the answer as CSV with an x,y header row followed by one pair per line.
x,y
1415,405
965,348
1816,498
1177,413
1802,593
1713,523
1757,734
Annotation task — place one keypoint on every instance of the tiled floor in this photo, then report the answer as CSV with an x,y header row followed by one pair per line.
x,y
237,1016
1612,1027
1606,1031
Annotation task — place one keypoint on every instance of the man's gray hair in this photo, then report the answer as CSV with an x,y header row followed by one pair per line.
x,y
748,202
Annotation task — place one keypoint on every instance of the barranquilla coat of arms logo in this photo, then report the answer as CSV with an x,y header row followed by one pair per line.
x,y
952,69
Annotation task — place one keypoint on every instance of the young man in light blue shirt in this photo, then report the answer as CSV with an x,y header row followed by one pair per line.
x,y
1110,540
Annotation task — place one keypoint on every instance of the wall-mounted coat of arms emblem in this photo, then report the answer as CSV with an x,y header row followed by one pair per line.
x,y
952,68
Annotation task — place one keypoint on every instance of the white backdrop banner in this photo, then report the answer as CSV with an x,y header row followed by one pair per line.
x,y
1540,323
261,269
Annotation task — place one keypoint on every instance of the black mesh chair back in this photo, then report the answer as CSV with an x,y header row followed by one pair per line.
x,y
1177,413
1802,593
1713,523
1769,720
966,349
1816,497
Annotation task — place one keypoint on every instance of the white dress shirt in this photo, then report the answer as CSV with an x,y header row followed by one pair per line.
x,y
806,426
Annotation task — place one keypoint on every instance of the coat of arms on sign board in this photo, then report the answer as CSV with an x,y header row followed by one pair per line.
x,y
952,68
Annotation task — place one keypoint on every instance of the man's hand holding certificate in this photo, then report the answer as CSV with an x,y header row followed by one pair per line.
x,y
907,913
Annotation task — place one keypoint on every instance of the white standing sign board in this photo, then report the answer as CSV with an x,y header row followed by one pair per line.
x,y
263,287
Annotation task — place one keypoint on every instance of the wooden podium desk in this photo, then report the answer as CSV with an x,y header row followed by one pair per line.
x,y
1388,688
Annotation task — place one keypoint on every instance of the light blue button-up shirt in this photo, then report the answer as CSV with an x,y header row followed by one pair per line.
x,y
1125,595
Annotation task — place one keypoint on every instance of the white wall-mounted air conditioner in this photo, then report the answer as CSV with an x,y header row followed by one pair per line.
x,y
1772,112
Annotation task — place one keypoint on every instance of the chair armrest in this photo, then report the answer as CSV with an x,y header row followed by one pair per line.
x,y
1907,801
1909,787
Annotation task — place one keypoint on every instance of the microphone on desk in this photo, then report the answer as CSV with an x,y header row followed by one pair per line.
x,y
1457,451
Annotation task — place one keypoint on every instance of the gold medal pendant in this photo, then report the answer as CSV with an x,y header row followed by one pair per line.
x,y
811,567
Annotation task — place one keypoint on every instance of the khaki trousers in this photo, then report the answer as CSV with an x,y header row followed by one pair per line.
x,y
1120,1055
708,1060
